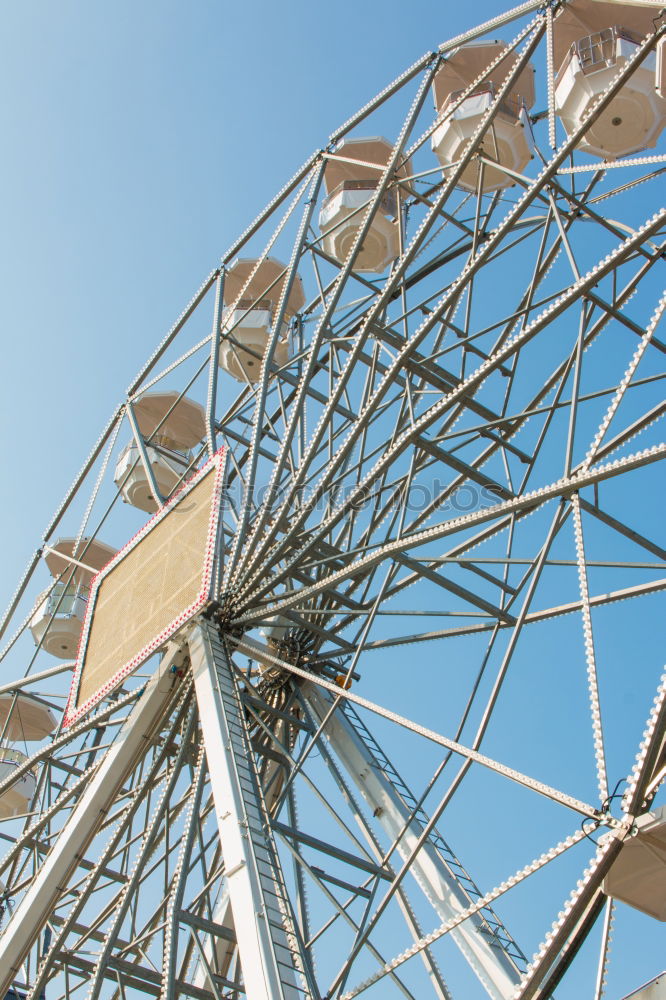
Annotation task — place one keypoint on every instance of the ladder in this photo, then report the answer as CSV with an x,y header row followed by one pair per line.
x,y
491,925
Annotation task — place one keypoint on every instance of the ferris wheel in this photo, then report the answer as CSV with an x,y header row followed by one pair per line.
x,y
336,673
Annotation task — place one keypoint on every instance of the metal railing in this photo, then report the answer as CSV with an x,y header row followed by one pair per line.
x,y
62,599
157,443
8,756
388,204
250,303
598,50
510,106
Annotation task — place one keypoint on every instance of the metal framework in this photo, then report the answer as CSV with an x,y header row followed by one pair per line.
x,y
310,792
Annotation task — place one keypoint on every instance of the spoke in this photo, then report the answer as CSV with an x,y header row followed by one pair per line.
x,y
528,502
590,657
490,897
473,381
583,808
603,955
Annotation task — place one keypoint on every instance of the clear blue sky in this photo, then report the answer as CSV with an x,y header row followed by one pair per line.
x,y
138,140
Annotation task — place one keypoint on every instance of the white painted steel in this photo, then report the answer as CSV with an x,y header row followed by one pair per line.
x,y
490,964
378,389
16,798
35,907
266,941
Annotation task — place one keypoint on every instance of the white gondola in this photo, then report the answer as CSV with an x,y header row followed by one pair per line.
x,y
350,179
660,82
25,717
22,717
592,41
654,990
507,141
170,427
58,620
252,292
15,800
638,877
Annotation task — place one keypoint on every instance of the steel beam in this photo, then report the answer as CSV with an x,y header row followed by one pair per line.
x,y
271,957
492,965
90,812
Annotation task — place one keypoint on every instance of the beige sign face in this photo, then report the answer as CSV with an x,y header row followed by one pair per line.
x,y
149,590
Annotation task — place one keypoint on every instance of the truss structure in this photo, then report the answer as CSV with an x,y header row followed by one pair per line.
x,y
399,749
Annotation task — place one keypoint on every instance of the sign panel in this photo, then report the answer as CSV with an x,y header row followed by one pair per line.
x,y
149,590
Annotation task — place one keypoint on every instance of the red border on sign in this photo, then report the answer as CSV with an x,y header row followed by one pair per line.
x,y
73,714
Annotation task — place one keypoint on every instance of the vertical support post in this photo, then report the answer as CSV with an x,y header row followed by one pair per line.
x,y
271,955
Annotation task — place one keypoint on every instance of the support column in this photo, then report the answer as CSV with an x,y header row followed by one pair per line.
x,y
272,960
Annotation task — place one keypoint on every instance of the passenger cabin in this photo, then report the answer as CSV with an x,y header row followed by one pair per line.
x,y
507,141
654,990
351,177
23,718
638,877
252,293
592,41
58,620
170,426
